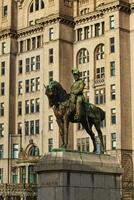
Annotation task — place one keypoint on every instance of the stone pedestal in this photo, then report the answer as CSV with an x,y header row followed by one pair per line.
x,y
78,176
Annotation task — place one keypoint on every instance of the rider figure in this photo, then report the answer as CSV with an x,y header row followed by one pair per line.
x,y
77,96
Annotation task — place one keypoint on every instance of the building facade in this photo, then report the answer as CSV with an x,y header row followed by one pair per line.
x,y
42,40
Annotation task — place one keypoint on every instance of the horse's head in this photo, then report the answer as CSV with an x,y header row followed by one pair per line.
x,y
51,92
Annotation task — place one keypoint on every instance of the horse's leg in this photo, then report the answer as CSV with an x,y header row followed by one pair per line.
x,y
66,127
88,127
97,126
60,123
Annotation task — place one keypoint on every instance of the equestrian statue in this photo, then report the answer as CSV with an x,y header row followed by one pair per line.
x,y
74,108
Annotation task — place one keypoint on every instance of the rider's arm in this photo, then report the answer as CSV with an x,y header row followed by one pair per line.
x,y
80,88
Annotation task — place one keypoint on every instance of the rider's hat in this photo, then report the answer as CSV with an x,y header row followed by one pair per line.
x,y
75,71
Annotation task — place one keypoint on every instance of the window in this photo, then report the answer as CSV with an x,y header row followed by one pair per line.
x,y
113,116
100,52
1,151
51,56
42,4
32,63
50,144
33,43
113,92
50,76
1,109
23,174
80,34
27,128
83,56
32,105
38,41
15,151
100,73
112,22
50,122
34,151
97,29
86,32
15,177
37,105
32,127
2,89
19,87
32,178
37,126
20,108
31,8
37,84
27,86
32,85
36,5
21,46
112,45
112,68
3,47
37,62
2,68
19,128
5,11
20,67
83,144
1,129
85,77
27,105
100,96
28,44
27,64
1,175
51,34
113,141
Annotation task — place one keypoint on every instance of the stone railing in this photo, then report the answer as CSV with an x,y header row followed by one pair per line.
x,y
100,81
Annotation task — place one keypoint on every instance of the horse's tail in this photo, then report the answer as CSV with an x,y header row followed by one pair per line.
x,y
101,113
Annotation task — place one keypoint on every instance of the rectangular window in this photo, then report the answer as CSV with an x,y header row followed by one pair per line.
x,y
50,122
113,141
100,96
36,5
2,68
50,76
15,178
27,65
97,29
3,48
20,69
32,127
85,77
1,129
32,178
80,34
38,41
32,105
51,60
5,11
113,116
112,45
1,151
20,108
86,32
15,151
23,174
1,109
37,126
21,46
27,86
37,105
113,92
83,144
37,62
100,73
26,127
112,68
33,64
37,84
1,175
112,22
33,43
27,107
19,87
32,85
20,128
2,89
51,34
28,44
50,144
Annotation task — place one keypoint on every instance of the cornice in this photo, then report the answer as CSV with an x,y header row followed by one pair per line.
x,y
7,33
29,30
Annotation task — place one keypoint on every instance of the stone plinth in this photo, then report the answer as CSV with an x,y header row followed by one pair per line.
x,y
78,176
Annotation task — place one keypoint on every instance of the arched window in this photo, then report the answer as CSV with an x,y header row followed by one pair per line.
x,y
36,5
83,56
99,52
42,4
31,8
34,151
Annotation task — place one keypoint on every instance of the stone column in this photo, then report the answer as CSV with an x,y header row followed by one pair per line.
x,y
78,176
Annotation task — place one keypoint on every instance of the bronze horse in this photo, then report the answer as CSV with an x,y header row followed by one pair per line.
x,y
90,115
